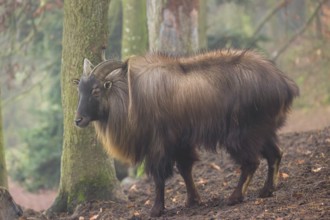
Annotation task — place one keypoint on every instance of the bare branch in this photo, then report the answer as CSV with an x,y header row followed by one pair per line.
x,y
270,14
299,32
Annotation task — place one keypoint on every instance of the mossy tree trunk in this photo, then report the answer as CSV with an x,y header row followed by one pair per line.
x,y
134,35
3,170
174,25
87,173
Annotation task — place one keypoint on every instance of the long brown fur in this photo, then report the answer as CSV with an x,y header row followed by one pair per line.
x,y
161,107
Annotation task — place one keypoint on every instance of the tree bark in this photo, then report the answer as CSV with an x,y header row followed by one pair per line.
x,y
173,25
134,35
3,170
87,173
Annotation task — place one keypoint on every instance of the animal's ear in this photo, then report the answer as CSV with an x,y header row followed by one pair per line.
x,y
75,82
88,67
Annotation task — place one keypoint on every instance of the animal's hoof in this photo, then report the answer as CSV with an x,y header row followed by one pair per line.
x,y
234,200
266,192
156,211
193,202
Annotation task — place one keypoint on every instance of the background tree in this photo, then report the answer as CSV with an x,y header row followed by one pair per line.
x,y
3,170
115,29
173,25
31,34
87,172
134,37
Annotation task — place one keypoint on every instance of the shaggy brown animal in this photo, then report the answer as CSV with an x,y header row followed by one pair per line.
x,y
158,108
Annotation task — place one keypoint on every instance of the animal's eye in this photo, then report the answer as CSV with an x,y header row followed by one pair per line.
x,y
107,84
96,92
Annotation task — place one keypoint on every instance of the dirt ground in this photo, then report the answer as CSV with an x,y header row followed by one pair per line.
x,y
303,191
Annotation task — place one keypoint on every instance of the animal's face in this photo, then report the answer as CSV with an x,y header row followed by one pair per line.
x,y
95,89
90,92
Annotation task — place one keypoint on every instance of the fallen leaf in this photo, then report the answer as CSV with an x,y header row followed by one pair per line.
x,y
94,217
316,170
308,152
299,162
258,202
215,166
130,205
202,181
147,202
284,176
133,188
81,218
297,195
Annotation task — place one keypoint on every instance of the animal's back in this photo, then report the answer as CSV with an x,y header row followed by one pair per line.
x,y
207,97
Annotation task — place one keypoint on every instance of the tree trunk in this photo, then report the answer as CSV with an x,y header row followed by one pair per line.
x,y
202,25
173,25
3,170
134,35
115,29
86,171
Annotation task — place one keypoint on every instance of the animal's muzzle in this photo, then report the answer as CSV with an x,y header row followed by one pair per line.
x,y
78,120
82,121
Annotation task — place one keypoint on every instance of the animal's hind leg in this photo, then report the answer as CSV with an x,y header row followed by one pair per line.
x,y
248,168
273,155
185,160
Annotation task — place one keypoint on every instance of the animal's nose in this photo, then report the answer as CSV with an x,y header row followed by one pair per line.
x,y
78,120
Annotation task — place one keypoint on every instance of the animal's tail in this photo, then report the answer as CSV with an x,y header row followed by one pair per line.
x,y
293,87
292,90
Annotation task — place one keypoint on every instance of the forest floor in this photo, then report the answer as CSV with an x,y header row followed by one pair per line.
x,y
303,191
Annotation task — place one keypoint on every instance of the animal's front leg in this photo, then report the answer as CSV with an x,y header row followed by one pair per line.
x,y
158,206
185,160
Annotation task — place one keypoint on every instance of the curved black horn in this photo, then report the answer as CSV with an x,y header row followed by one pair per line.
x,y
106,67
